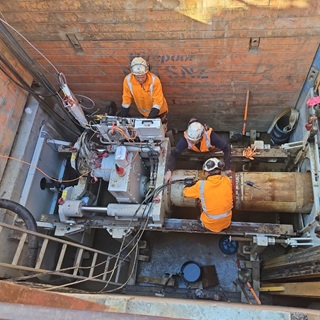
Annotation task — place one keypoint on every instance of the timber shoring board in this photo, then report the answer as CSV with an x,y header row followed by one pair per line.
x,y
193,226
236,152
299,264
156,280
298,289
236,228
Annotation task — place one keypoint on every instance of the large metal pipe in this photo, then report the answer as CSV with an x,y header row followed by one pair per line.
x,y
276,191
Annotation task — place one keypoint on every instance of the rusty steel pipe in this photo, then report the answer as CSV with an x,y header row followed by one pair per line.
x,y
271,191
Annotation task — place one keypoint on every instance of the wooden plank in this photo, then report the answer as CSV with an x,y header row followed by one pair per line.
x,y
156,280
236,152
19,249
106,267
42,253
61,256
271,289
299,264
78,260
193,226
236,228
297,289
93,264
209,276
297,256
118,271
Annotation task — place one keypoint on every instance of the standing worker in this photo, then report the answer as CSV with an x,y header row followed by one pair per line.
x,y
145,89
199,138
215,194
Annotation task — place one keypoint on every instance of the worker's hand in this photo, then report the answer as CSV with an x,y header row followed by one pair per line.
x,y
167,176
228,173
189,182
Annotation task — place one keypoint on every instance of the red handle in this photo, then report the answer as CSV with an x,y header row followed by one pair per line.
x,y
253,293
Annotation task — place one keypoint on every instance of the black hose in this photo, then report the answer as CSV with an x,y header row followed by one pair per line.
x,y
31,225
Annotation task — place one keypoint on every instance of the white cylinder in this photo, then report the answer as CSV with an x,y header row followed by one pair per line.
x,y
71,208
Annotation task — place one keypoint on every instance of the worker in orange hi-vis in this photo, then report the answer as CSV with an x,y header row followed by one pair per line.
x,y
215,194
199,138
145,89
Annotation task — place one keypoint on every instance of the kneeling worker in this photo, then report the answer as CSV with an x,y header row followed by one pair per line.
x,y
198,138
215,194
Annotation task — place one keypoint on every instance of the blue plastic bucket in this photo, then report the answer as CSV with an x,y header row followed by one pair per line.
x,y
191,271
278,135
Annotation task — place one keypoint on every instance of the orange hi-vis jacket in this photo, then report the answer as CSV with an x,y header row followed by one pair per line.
x,y
215,195
146,96
205,142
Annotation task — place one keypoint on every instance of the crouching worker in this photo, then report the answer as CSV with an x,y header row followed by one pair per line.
x,y
215,194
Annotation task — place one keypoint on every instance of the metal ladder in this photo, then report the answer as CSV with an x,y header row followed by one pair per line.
x,y
74,263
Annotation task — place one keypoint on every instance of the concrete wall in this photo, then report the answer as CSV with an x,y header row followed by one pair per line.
x,y
200,49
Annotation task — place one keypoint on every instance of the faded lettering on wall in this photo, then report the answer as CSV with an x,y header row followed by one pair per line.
x,y
175,71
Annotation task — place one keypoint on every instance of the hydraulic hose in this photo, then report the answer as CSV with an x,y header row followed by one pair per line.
x,y
31,225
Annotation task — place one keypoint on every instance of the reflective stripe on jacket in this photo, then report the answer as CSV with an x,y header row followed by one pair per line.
x,y
205,143
215,195
146,96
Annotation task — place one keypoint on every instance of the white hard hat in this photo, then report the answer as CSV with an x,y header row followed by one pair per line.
x,y
195,131
139,66
213,164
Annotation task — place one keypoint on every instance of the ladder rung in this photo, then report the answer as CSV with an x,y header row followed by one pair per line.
x,y
93,263
78,261
106,267
19,249
118,271
41,253
61,256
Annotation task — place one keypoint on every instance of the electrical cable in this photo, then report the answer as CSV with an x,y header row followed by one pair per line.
x,y
154,193
92,102
60,120
141,230
23,58
37,168
26,40
28,89
27,62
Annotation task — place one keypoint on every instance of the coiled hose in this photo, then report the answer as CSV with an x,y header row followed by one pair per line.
x,y
31,225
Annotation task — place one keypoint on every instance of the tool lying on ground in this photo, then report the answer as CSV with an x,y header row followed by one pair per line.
x,y
224,294
249,153
241,286
169,277
251,184
253,293
244,277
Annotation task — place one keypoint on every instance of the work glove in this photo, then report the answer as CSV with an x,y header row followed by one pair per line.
x,y
153,113
124,112
189,182
167,176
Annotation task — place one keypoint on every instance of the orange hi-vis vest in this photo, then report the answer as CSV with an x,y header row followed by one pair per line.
x,y
215,195
205,143
146,96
